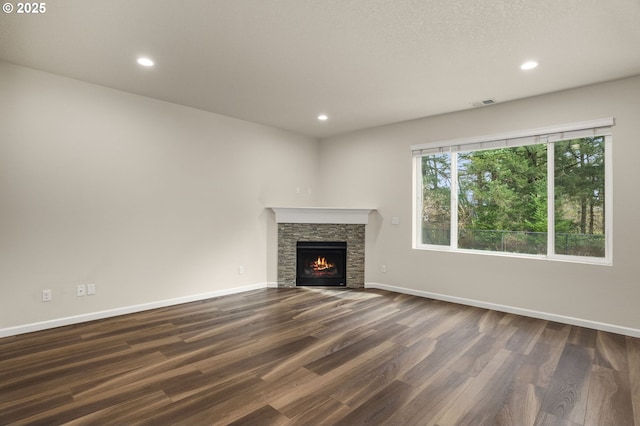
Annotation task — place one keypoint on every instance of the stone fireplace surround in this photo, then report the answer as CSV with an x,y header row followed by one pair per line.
x,y
321,224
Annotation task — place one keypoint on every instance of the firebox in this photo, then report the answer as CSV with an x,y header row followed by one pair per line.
x,y
321,263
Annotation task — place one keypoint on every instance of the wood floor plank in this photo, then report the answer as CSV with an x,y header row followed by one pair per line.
x,y
381,406
436,396
611,351
323,348
85,407
521,406
72,375
125,412
542,361
339,357
527,334
566,397
473,361
324,412
384,370
59,360
320,356
303,398
546,419
204,403
461,317
609,402
583,337
489,321
237,405
33,405
448,349
481,401
633,357
266,415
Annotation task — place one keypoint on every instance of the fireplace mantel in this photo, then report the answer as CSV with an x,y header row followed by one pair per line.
x,y
321,215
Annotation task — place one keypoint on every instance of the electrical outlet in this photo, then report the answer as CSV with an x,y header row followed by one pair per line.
x,y
47,295
91,289
383,269
241,269
81,290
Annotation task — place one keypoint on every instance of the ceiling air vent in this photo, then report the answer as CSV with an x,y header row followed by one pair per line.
x,y
484,102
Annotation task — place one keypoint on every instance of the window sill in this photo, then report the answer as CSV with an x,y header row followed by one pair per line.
x,y
557,258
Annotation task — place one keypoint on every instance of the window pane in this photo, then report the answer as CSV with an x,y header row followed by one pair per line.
x,y
436,204
502,200
579,197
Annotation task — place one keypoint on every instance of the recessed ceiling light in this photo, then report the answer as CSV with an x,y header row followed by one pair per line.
x,y
323,117
145,62
529,65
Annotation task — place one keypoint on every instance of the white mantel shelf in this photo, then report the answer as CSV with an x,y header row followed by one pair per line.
x,y
321,215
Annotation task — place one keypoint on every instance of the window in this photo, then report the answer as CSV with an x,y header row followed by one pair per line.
x,y
541,193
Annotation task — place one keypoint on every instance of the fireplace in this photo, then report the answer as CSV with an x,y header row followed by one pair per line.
x,y
321,224
321,263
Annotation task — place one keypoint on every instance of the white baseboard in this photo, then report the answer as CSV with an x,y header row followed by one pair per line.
x,y
627,331
59,322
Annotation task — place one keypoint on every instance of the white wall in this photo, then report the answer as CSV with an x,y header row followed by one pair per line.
x,y
374,168
154,201
146,199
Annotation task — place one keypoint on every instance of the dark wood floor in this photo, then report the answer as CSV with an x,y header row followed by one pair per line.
x,y
318,356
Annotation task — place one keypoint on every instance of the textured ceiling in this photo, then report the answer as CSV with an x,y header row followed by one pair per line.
x,y
363,62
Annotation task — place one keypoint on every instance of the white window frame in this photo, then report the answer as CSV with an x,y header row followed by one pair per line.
x,y
546,135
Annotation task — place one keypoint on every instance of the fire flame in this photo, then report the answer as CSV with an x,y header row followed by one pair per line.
x,y
321,264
